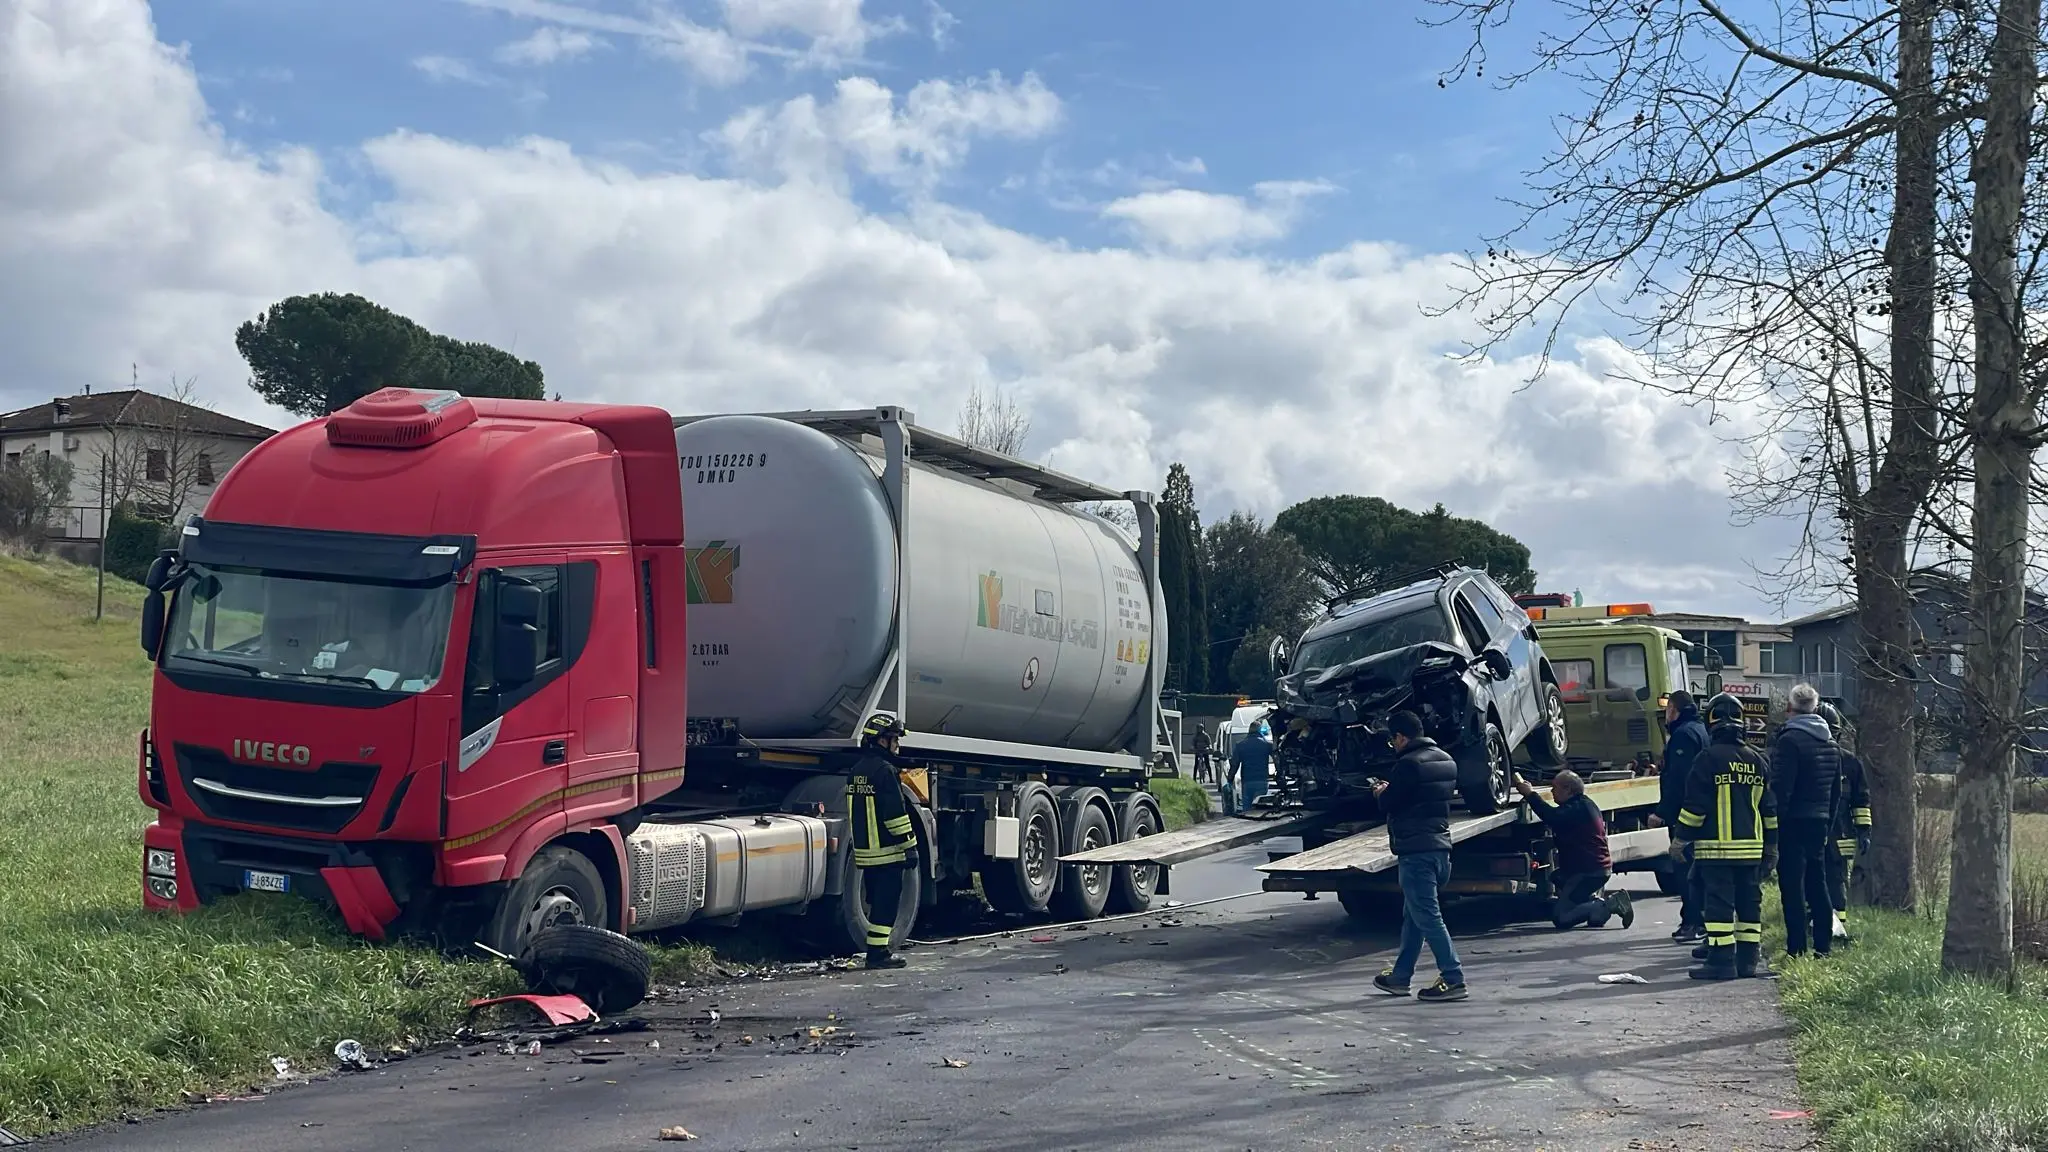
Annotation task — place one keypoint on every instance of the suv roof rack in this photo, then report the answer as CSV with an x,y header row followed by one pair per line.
x,y
1389,583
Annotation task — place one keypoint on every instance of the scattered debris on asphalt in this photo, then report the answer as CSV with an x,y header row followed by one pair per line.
x,y
1780,1115
1043,939
9,1139
1622,978
952,1062
556,1010
350,1054
283,1068
677,1133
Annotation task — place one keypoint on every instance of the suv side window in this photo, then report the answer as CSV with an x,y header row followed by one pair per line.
x,y
1489,612
568,598
1477,637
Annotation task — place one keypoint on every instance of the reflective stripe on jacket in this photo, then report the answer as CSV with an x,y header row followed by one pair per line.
x,y
1729,814
882,832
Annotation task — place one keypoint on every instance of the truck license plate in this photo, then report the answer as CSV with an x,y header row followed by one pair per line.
x,y
256,881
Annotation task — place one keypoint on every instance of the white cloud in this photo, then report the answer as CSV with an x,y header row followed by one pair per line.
x,y
1184,220
862,125
942,23
449,70
131,230
833,27
549,44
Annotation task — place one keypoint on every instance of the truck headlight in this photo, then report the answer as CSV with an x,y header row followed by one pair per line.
x,y
163,889
160,862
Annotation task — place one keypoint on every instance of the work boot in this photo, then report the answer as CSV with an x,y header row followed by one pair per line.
x,y
883,958
1749,962
1619,904
1720,964
1700,953
1386,982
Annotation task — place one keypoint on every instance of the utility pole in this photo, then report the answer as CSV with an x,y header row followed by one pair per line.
x,y
99,607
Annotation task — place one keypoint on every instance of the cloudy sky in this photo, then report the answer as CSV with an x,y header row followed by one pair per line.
x,y
1173,232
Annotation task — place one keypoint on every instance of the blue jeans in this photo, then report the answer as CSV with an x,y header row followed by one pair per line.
x,y
1422,917
1233,803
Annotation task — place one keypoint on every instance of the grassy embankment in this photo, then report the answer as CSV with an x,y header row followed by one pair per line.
x,y
107,1010
1181,802
1894,1057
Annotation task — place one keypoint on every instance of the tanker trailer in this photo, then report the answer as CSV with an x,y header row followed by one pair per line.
x,y
851,562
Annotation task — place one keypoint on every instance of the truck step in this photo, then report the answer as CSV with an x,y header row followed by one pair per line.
x,y
1368,851
1201,840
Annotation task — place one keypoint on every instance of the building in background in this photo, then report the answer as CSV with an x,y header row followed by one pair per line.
x,y
1827,643
162,454
1756,659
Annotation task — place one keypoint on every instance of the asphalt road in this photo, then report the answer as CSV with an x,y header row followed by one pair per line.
x,y
1248,1024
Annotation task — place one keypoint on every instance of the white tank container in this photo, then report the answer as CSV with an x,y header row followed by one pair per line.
x,y
1029,622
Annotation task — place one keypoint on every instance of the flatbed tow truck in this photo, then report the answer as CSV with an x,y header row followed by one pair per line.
x,y
1506,853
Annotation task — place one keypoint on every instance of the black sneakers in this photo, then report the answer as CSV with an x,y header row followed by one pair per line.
x,y
1442,991
1385,982
1619,904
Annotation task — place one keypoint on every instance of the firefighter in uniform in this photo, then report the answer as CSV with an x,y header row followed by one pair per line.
x,y
1732,823
1852,821
883,843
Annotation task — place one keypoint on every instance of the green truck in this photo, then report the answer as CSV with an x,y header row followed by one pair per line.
x,y
1615,669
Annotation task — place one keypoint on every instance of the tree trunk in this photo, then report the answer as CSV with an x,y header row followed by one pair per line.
x,y
1978,936
1881,526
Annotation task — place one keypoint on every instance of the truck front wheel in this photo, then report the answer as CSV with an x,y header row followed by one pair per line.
x,y
559,886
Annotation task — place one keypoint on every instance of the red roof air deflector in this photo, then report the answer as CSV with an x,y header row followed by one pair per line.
x,y
400,418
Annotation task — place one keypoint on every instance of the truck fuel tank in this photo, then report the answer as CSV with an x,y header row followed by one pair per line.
x,y
701,871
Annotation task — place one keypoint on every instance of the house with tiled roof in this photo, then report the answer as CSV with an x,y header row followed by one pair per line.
x,y
157,452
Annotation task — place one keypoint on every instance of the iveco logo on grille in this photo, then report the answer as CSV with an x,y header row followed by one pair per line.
x,y
268,752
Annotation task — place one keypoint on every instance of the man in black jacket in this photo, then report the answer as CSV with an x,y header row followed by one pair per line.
x,y
1805,767
884,843
1581,862
1416,803
1685,737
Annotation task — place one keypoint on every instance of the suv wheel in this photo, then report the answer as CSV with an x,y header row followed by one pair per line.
x,y
1547,744
1487,785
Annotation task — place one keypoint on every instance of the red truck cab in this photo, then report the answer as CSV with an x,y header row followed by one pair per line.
x,y
422,659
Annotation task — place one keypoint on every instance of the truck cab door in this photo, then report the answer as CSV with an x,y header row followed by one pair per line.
x,y
512,752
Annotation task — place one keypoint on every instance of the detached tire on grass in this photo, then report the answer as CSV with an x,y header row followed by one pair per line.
x,y
606,970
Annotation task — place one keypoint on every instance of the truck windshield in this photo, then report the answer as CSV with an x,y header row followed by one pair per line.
x,y
1372,638
236,621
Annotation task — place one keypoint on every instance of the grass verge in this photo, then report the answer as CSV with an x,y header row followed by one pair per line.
x,y
106,1010
1895,1057
1181,802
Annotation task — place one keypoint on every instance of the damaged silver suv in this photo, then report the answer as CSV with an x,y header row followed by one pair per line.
x,y
1453,648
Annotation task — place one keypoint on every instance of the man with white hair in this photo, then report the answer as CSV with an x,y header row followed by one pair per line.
x,y
1805,771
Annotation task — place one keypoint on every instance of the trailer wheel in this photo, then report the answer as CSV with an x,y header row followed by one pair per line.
x,y
1488,785
1025,885
1084,888
1131,885
607,971
1548,743
559,886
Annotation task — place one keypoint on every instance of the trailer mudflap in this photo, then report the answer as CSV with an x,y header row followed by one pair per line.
x,y
1205,839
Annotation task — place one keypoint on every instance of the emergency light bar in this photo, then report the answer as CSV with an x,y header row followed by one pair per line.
x,y
1591,612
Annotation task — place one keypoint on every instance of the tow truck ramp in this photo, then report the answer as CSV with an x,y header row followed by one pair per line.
x,y
1369,851
1204,839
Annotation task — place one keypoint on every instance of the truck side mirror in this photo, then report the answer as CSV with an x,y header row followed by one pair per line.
x,y
153,604
1276,655
516,654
